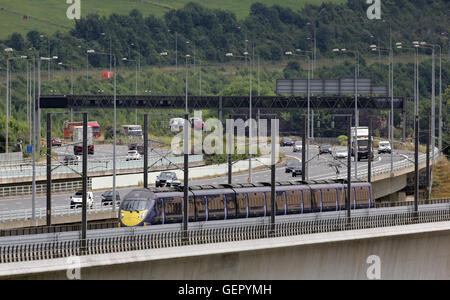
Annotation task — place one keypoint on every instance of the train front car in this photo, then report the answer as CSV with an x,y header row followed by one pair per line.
x,y
137,208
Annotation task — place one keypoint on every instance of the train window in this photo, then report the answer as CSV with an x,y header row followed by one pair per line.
x,y
316,200
158,218
362,197
329,199
294,202
342,197
200,207
280,203
134,205
231,206
256,204
173,209
306,200
241,200
352,200
191,206
216,207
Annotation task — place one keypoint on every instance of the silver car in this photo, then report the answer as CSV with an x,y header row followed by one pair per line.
x,y
340,153
298,146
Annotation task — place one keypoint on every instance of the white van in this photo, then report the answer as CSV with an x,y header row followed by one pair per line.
x,y
77,199
176,124
384,147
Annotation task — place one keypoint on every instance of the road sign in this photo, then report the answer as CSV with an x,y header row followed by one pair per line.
x,y
29,149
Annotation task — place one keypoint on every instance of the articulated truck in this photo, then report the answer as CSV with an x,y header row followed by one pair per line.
x,y
362,136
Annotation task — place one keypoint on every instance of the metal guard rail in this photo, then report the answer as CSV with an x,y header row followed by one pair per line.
x,y
154,240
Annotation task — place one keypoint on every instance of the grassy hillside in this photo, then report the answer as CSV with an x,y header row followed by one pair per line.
x,y
49,16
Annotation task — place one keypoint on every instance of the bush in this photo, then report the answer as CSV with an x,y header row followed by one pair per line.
x,y
341,139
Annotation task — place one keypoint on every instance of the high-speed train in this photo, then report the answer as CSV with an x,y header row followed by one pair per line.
x,y
142,207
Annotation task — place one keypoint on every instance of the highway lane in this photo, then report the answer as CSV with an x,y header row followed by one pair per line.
x,y
319,169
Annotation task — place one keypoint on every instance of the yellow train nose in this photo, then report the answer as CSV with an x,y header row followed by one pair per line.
x,y
132,218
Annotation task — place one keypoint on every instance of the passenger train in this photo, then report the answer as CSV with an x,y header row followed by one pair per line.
x,y
142,207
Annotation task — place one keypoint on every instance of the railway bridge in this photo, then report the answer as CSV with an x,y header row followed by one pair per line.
x,y
388,244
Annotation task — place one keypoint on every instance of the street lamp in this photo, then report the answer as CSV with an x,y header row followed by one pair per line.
x,y
91,51
308,124
415,48
136,90
355,149
250,120
433,92
48,40
391,94
176,50
314,52
8,94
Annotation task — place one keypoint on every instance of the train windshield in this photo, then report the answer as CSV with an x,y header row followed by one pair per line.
x,y
134,205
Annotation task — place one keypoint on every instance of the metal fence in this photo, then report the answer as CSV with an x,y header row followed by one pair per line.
x,y
57,187
25,214
152,240
26,170
60,211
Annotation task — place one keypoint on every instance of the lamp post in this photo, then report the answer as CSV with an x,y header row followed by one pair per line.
x,y
91,51
250,120
433,93
391,95
176,49
48,40
355,149
314,52
71,85
136,87
8,94
416,71
308,123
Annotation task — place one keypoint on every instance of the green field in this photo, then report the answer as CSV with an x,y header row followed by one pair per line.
x,y
49,16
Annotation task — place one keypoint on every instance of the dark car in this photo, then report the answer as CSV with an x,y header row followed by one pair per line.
x,y
291,165
325,149
298,170
167,179
56,142
140,149
132,146
286,142
71,160
107,198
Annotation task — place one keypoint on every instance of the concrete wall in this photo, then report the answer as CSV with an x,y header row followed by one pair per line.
x,y
405,252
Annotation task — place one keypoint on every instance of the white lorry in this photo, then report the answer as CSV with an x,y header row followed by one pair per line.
x,y
78,140
362,137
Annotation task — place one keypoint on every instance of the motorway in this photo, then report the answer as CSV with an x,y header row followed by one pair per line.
x,y
319,169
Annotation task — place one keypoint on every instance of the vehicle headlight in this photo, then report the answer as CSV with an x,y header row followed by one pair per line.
x,y
143,215
122,215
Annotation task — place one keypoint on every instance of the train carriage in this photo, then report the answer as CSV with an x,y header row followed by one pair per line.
x,y
143,207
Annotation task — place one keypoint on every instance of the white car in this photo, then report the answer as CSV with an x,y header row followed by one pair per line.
x,y
133,155
384,147
176,124
77,199
340,153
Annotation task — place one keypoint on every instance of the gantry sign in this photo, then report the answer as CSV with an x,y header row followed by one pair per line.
x,y
220,102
